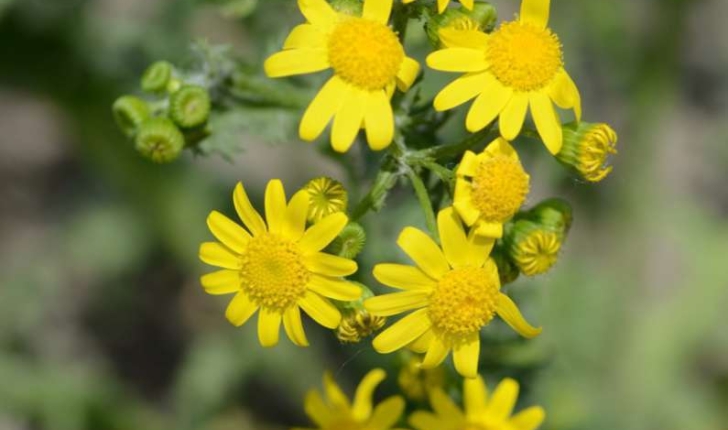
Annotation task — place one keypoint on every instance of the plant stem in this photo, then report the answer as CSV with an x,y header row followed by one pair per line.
x,y
423,196
449,151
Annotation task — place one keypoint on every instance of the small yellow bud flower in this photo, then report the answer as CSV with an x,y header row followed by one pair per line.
x,y
587,148
326,196
532,247
358,325
415,382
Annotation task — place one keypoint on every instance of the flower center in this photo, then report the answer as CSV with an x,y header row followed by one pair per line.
x,y
464,301
273,274
326,196
537,253
365,53
500,186
524,57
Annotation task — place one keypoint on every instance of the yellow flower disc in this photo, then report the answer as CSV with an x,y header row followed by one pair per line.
x,y
500,187
537,253
273,274
524,57
365,53
464,301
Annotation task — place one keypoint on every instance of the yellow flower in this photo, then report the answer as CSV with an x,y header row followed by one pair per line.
x,y
277,265
327,196
368,61
534,248
415,382
490,188
482,411
454,292
338,413
442,4
518,66
587,148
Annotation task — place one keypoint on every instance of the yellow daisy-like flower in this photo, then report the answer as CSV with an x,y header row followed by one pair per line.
x,y
454,291
277,265
338,413
490,188
518,67
482,411
442,4
368,61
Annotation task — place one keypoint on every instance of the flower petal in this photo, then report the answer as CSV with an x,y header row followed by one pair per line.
x,y
240,309
547,122
443,405
503,400
423,251
322,108
455,38
422,344
509,312
378,120
452,235
275,206
348,121
296,62
317,410
377,10
479,248
335,396
296,213
228,232
318,236
457,60
463,202
362,407
250,217
218,255
294,326
403,332
403,277
221,282
318,12
407,74
422,420
396,303
466,356
461,90
387,413
489,229
528,419
487,105
321,310
476,396
468,165
330,265
333,288
513,115
305,36
535,12
564,92
269,327
436,354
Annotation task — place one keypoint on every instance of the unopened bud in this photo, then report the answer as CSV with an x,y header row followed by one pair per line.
x,y
587,149
130,112
189,107
156,77
159,140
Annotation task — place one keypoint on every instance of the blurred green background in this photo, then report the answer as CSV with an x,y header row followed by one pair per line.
x,y
103,323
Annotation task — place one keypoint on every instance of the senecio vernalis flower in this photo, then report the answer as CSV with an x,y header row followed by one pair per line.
x,y
481,410
276,266
518,67
368,61
442,4
338,413
490,188
454,291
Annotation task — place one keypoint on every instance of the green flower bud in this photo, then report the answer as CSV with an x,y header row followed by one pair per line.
x,y
533,248
130,112
350,241
507,270
482,17
190,106
587,148
555,214
156,77
159,140
349,7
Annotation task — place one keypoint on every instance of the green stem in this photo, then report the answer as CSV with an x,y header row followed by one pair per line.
x,y
423,196
256,89
456,149
374,199
400,19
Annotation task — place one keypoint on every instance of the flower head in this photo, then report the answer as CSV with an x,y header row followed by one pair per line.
x,y
533,248
368,62
587,148
327,196
454,291
490,188
482,410
442,4
338,413
518,67
276,266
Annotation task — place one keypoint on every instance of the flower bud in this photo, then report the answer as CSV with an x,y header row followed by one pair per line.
x,y
358,324
130,112
507,270
415,382
533,248
482,17
159,140
350,241
189,107
555,214
327,196
156,77
587,148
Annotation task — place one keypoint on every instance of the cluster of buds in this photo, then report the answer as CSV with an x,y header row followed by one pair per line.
x,y
174,118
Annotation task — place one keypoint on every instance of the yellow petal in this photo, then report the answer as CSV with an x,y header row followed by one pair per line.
x,y
528,419
454,38
378,120
503,400
407,74
317,410
467,3
362,408
423,251
337,289
321,310
468,165
466,356
377,10
489,229
512,316
457,60
336,397
250,217
513,115
269,327
221,282
535,12
403,332
487,105
479,248
348,120
296,212
436,354
305,36
547,122
463,202
318,12
296,62
452,236
443,405
422,344
396,303
275,206
461,90
330,265
500,146
228,232
476,396
421,420
294,327
403,277
323,107
441,5
318,236
387,413
565,94
240,309
218,255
